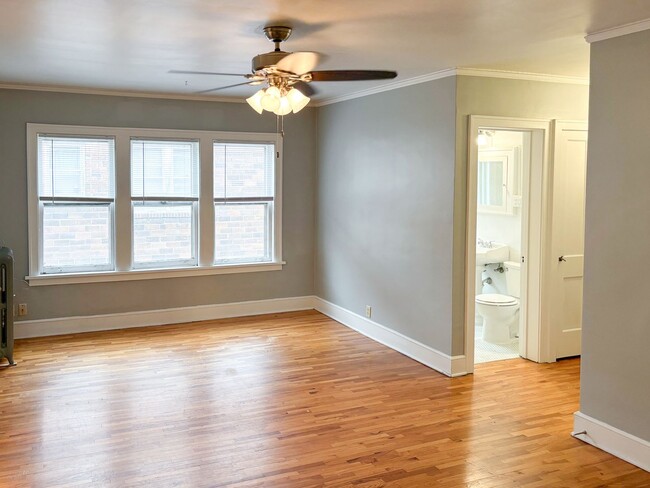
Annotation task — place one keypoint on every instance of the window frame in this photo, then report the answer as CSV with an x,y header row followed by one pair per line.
x,y
122,211
107,201
269,202
159,200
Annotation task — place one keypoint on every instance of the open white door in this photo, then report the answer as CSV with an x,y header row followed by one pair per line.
x,y
567,238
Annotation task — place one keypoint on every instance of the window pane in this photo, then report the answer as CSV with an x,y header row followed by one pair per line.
x,y
163,234
81,167
243,170
76,237
164,168
241,233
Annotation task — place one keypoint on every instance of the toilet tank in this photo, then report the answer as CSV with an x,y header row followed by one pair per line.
x,y
513,278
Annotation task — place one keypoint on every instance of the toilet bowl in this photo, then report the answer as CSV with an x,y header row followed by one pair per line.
x,y
499,314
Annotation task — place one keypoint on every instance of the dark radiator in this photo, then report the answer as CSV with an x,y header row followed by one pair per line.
x,y
7,304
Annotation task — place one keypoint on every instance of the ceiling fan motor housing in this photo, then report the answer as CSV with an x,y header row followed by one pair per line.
x,y
276,34
268,59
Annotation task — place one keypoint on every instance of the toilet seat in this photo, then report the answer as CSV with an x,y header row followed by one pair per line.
x,y
496,300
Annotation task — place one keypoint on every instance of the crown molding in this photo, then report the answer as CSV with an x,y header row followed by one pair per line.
x,y
117,93
487,73
521,75
621,30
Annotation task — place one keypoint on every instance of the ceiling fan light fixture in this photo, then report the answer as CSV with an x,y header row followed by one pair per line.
x,y
256,101
271,99
297,100
282,70
284,108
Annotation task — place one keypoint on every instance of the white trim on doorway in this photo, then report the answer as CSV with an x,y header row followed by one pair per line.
x,y
535,337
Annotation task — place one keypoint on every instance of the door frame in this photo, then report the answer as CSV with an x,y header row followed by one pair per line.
x,y
535,336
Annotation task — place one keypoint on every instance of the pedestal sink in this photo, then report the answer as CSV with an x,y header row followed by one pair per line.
x,y
491,253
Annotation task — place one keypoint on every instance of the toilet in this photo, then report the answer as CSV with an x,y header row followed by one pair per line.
x,y
501,312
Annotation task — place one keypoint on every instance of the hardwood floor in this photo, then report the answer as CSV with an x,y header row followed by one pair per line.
x,y
287,400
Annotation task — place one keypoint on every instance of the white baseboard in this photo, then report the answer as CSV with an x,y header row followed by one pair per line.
x,y
459,366
69,325
612,440
451,366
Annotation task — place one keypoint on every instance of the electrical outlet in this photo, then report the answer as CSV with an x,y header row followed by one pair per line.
x,y
22,309
368,311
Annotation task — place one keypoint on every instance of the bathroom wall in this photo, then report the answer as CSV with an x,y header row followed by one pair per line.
x,y
19,107
497,227
501,228
615,370
504,228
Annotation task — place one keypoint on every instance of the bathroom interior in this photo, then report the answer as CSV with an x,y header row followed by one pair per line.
x,y
503,159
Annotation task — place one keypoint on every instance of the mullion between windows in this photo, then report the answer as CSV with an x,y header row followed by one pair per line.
x,y
123,215
206,207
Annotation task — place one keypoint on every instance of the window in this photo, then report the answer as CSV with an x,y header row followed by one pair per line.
x,y
164,195
110,204
75,198
243,196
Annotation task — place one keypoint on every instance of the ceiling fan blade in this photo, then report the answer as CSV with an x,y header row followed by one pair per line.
x,y
352,75
299,62
305,88
227,86
182,72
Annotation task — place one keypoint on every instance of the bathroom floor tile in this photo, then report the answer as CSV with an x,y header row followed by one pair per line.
x,y
485,352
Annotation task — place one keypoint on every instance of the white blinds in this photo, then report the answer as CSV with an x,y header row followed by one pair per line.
x,y
75,167
164,168
243,170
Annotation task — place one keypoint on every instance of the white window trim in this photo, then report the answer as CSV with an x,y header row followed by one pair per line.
x,y
122,213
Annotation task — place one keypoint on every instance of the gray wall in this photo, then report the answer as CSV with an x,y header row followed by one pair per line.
x,y
296,279
501,98
615,382
385,208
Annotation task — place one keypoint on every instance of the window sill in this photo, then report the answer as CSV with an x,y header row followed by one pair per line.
x,y
149,274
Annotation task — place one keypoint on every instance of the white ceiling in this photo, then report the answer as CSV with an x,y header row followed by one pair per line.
x,y
131,44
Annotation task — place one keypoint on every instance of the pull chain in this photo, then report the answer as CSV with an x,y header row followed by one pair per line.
x,y
279,125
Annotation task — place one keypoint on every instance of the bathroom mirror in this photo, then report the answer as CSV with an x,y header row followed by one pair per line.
x,y
494,168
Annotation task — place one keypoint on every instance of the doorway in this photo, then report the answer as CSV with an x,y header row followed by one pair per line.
x,y
552,163
507,171
503,180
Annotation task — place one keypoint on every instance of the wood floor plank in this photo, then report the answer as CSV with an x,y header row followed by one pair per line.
x,y
286,400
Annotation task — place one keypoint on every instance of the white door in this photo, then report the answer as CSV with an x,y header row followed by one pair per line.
x,y
567,238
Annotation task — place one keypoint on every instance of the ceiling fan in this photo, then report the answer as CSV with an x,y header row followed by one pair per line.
x,y
288,76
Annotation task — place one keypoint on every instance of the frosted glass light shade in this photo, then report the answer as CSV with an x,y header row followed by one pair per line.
x,y
256,101
297,100
271,99
284,108
274,91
